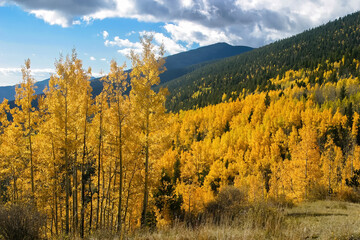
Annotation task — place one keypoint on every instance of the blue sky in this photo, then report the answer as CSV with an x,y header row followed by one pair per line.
x,y
102,30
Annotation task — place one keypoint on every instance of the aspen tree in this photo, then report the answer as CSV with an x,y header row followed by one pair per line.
x,y
66,87
115,85
147,105
24,118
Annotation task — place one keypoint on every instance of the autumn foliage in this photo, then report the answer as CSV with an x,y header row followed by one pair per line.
x,y
120,162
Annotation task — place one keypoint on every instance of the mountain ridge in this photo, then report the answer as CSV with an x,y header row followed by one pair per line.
x,y
177,65
252,70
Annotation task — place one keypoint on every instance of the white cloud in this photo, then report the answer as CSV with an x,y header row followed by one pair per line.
x,y
87,19
15,70
195,33
125,45
130,33
92,58
52,17
248,22
103,59
76,22
170,45
12,76
97,74
122,43
187,3
105,34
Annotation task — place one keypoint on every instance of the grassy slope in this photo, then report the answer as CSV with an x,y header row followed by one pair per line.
x,y
311,220
324,220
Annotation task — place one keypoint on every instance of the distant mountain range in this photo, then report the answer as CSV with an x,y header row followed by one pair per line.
x,y
8,92
177,65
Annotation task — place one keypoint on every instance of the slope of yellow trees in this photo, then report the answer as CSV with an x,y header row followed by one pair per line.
x,y
118,162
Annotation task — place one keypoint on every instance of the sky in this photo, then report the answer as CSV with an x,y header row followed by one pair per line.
x,y
101,30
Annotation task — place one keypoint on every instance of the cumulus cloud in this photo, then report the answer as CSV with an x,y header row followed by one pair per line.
x,y
105,34
52,17
247,22
130,33
18,70
171,46
14,76
122,43
76,22
125,45
92,58
196,33
97,74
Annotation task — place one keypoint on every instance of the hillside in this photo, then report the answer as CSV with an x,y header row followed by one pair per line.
x,y
177,65
8,92
252,70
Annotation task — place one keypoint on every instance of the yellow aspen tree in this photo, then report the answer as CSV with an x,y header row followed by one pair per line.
x,y
328,165
66,87
12,163
354,133
85,111
148,106
115,84
25,115
102,104
307,159
50,173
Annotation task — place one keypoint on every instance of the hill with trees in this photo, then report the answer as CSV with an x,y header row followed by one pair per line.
x,y
253,70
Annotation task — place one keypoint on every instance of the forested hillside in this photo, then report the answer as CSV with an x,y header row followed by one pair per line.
x,y
253,70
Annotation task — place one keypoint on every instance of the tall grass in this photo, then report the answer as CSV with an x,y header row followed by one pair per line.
x,y
231,216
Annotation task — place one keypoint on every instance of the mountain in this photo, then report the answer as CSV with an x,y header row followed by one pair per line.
x,y
252,70
177,65
8,92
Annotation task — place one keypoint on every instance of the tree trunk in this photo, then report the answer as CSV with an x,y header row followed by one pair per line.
x,y
91,206
75,198
99,171
120,172
55,188
83,180
67,173
146,190
127,200
31,150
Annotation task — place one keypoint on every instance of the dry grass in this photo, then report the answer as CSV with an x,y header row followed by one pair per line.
x,y
323,220
311,220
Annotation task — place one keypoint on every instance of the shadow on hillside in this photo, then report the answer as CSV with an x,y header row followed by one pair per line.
x,y
297,215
